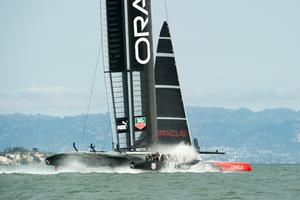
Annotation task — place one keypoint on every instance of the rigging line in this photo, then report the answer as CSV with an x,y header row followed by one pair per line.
x,y
103,66
90,98
166,11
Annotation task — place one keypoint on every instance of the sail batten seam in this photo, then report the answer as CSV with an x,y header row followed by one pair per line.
x,y
165,55
167,86
165,38
171,118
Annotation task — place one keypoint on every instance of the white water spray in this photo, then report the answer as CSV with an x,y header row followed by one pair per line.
x,y
179,154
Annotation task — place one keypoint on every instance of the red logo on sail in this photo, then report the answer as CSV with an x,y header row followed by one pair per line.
x,y
173,133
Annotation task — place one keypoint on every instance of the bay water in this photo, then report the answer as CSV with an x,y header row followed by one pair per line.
x,y
268,181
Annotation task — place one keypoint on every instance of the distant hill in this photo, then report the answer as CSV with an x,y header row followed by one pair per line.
x,y
52,134
269,136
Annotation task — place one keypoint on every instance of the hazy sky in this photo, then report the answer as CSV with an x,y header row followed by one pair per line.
x,y
233,53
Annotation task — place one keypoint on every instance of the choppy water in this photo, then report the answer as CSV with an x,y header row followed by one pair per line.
x,y
41,182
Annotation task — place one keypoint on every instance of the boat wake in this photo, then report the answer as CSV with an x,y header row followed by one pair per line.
x,y
42,169
39,169
50,170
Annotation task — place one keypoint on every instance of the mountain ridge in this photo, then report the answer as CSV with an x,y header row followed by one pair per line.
x,y
268,136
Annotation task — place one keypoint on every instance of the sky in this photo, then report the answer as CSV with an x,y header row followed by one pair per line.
x,y
232,54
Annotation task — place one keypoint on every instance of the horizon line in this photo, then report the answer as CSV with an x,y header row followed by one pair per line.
x,y
106,112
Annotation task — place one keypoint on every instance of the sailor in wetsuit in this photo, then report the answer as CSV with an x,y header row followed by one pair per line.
x,y
148,157
163,157
156,157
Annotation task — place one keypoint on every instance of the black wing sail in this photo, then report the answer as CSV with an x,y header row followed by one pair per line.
x,y
142,72
129,72
171,118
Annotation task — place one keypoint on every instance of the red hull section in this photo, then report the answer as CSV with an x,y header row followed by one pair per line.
x,y
232,166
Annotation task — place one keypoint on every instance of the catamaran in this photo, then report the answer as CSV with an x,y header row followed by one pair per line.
x,y
143,92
